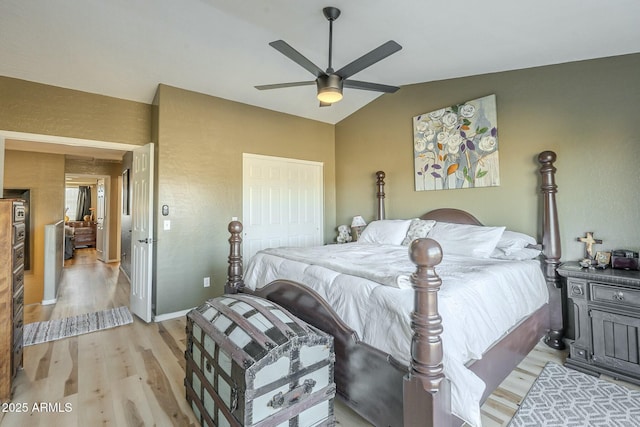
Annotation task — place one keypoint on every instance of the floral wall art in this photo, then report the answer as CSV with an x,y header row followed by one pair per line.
x,y
457,146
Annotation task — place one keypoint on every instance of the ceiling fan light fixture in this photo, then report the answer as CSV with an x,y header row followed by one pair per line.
x,y
329,88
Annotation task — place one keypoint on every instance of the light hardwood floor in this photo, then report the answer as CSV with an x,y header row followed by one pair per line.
x,y
133,375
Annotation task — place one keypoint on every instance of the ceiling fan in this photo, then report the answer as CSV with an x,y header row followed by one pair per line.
x,y
330,82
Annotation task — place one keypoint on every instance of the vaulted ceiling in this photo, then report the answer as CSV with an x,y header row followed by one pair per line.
x,y
125,48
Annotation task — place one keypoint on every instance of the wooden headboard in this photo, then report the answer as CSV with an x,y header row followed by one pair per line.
x,y
456,216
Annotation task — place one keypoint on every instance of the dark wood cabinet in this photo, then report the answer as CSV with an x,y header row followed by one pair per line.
x,y
12,240
603,309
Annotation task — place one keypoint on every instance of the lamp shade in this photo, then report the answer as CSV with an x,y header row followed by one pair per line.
x,y
329,95
358,221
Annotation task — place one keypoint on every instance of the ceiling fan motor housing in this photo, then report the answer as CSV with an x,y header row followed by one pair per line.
x,y
329,88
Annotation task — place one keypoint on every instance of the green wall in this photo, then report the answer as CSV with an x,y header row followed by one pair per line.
x,y
587,112
199,176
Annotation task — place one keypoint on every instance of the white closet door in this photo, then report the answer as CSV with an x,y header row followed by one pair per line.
x,y
282,203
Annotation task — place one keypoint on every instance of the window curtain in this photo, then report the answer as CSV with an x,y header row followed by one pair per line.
x,y
84,202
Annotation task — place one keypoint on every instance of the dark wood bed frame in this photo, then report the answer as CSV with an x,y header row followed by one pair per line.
x,y
383,390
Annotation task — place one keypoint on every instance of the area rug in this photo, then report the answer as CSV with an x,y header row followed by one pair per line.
x,y
564,397
36,333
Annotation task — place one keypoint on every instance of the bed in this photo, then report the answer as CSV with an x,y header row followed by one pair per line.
x,y
405,384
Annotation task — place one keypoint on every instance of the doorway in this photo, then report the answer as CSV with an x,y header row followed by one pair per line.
x,y
48,189
87,202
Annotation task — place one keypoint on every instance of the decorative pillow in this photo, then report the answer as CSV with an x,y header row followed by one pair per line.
x,y
385,231
516,255
418,228
512,241
464,239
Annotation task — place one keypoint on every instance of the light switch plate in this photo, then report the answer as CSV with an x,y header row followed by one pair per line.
x,y
167,224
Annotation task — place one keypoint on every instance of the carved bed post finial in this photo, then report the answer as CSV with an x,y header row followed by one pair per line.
x,y
234,272
551,247
380,194
426,344
426,391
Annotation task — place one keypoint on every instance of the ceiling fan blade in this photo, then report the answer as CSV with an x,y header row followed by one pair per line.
x,y
369,59
285,49
355,84
281,85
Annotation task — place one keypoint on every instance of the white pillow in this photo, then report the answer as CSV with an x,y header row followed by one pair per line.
x,y
512,241
418,228
385,231
465,239
519,255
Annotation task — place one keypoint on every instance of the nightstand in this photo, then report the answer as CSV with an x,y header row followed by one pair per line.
x,y
604,313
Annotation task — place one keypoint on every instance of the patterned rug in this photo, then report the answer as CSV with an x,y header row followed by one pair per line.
x,y
564,397
36,333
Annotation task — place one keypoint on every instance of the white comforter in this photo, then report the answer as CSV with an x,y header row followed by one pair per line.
x,y
368,287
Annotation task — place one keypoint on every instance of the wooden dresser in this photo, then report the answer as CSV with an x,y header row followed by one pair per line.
x,y
12,236
604,313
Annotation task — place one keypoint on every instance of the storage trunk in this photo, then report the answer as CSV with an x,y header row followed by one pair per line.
x,y
249,362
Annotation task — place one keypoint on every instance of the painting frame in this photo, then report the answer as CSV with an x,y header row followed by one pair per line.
x,y
603,258
457,146
126,198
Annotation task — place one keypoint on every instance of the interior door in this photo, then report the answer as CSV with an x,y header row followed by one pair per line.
x,y
282,203
142,232
100,220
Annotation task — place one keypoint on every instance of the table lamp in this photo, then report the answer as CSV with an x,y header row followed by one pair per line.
x,y
357,225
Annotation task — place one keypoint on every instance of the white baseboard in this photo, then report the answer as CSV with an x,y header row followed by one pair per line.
x,y
125,274
169,316
49,301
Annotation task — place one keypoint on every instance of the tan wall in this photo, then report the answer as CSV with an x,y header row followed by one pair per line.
x,y
43,174
114,171
37,108
585,111
199,159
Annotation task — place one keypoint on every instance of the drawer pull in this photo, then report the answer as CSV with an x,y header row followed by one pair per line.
x,y
618,296
577,290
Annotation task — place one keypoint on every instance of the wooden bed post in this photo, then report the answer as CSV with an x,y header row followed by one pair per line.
x,y
427,398
551,249
380,214
234,272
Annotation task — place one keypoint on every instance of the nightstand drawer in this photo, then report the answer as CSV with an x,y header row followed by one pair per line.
x,y
604,293
577,289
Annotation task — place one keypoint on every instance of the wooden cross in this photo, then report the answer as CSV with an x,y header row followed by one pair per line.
x,y
589,241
